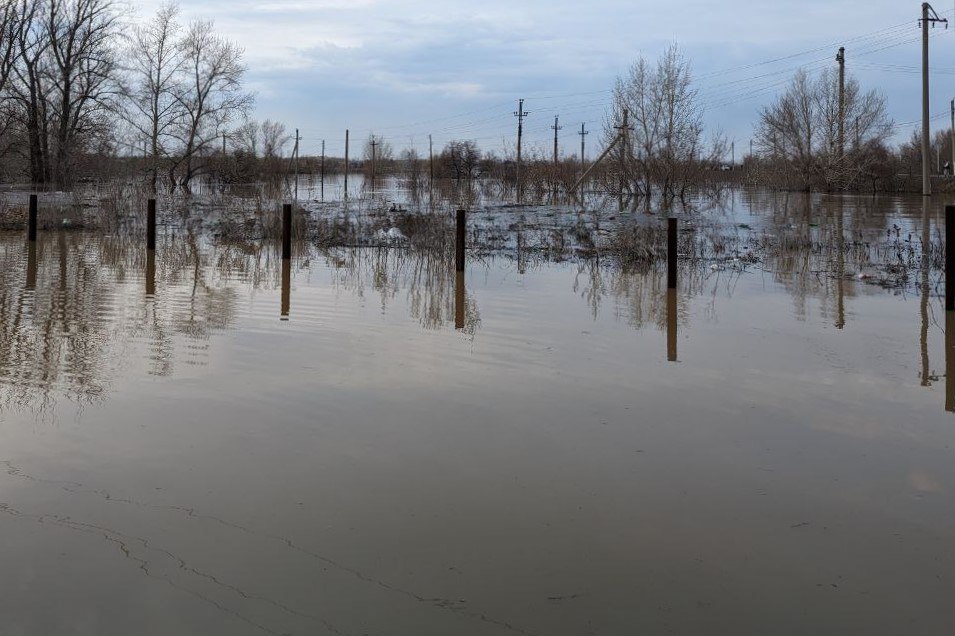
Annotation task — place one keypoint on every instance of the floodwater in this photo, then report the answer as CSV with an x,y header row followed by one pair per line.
x,y
204,441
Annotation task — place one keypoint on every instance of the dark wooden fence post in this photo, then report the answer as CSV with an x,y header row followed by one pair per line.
x,y
671,253
151,224
287,231
459,242
31,228
949,257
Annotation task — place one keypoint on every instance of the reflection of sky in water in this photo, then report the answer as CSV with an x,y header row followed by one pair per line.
x,y
210,468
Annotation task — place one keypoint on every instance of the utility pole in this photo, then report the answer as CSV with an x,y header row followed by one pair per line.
x,y
928,15
346,163
858,136
733,154
520,114
556,127
952,137
293,161
430,160
624,129
373,144
322,169
583,157
841,137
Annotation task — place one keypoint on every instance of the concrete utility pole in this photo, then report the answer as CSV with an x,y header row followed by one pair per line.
x,y
295,158
520,114
583,156
624,129
346,163
928,15
556,127
322,169
431,158
952,136
841,138
373,144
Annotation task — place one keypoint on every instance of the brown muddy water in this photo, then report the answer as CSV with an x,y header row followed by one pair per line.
x,y
206,442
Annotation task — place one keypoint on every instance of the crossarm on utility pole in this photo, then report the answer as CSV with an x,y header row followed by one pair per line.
x,y
595,163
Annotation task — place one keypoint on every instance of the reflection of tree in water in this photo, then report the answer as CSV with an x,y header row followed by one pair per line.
x,y
427,278
639,294
64,327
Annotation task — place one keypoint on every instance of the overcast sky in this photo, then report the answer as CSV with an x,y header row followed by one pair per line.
x,y
454,69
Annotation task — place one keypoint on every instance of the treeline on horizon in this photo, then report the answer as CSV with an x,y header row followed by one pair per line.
x,y
88,93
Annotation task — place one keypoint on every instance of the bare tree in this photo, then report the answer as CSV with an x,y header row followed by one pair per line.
x,y
155,78
459,159
82,34
64,80
245,138
662,139
377,154
211,98
274,139
799,131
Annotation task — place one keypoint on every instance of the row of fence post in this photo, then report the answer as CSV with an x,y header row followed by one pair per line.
x,y
461,236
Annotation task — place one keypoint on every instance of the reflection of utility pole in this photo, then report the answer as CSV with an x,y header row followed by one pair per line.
x,y
928,15
520,114
841,136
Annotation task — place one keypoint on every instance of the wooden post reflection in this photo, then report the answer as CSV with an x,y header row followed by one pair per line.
x,y
671,325
924,294
31,265
950,361
286,287
949,257
150,272
459,300
671,253
840,269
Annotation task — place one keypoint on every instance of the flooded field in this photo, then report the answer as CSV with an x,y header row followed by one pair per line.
x,y
207,440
